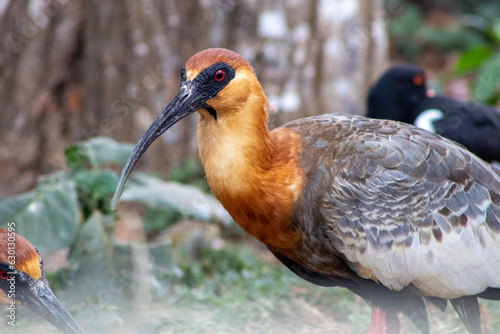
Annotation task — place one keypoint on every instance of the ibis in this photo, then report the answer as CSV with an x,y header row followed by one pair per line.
x,y
23,282
396,214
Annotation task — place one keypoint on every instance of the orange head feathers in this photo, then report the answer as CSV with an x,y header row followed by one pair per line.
x,y
22,281
204,59
248,169
221,86
19,253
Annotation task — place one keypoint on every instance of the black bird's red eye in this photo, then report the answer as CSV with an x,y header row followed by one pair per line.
x,y
4,274
419,80
219,75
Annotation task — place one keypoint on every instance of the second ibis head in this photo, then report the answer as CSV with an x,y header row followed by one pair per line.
x,y
23,282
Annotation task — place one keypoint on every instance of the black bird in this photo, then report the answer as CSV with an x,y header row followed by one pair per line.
x,y
401,95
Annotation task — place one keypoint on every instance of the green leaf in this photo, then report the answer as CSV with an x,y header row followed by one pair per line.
x,y
116,270
487,88
92,251
47,216
157,220
91,266
472,59
100,183
139,264
190,172
97,151
95,188
74,157
495,30
188,200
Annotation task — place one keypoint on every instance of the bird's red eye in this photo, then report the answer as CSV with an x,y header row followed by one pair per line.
x,y
219,75
419,80
4,274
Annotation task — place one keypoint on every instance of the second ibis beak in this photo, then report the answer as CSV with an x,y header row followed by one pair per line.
x,y
184,103
38,297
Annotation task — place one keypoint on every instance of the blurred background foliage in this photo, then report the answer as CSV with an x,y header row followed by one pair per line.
x,y
453,40
75,74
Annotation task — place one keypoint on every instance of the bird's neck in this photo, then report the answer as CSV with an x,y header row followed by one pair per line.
x,y
254,173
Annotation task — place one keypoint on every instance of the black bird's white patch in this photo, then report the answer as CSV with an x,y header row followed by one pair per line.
x,y
427,118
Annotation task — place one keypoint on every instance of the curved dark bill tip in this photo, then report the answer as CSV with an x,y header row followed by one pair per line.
x,y
40,299
182,105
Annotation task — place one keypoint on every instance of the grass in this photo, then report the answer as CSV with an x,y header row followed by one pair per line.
x,y
235,289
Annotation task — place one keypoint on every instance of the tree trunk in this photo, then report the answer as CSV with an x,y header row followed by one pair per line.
x,y
73,69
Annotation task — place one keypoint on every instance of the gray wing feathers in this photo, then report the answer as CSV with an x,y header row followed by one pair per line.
x,y
406,206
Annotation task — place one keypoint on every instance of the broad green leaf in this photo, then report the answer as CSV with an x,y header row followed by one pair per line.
x,y
97,151
188,200
496,30
148,267
472,59
156,220
190,172
47,216
487,88
105,182
96,286
112,271
95,188
101,182
75,157
91,254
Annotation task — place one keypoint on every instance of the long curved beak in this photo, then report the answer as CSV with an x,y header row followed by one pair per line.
x,y
38,297
184,103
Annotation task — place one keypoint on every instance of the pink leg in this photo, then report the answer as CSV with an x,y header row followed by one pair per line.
x,y
383,322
